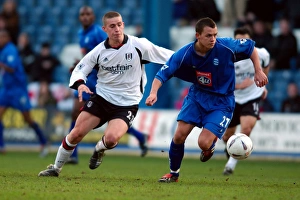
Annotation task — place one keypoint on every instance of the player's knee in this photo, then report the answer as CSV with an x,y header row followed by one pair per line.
x,y
179,139
111,141
76,135
204,144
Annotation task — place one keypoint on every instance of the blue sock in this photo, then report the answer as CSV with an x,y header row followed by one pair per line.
x,y
75,152
39,133
176,154
1,135
137,134
213,144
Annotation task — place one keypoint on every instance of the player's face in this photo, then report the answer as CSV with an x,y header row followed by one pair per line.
x,y
242,36
86,17
114,28
207,38
3,39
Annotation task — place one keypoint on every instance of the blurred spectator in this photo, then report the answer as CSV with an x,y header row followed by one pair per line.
x,y
180,12
261,9
234,13
25,51
262,35
2,23
44,64
265,105
292,103
138,30
298,61
10,14
284,47
42,72
291,11
203,8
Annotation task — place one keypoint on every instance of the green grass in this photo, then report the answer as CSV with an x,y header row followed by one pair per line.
x,y
132,177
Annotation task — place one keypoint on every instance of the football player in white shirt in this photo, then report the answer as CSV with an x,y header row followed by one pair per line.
x,y
247,96
120,61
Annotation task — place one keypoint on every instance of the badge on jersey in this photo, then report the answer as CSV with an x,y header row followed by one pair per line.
x,y
128,56
242,41
204,78
80,66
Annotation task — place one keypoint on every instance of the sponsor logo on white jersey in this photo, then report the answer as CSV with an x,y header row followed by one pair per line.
x,y
118,69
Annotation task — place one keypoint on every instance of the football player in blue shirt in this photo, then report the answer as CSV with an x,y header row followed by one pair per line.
x,y
90,35
13,90
208,63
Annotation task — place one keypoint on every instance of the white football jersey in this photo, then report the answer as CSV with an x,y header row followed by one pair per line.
x,y
245,69
121,75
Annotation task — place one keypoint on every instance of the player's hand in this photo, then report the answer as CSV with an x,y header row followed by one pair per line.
x,y
83,88
260,79
152,98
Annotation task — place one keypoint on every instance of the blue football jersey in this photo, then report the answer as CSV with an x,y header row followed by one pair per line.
x,y
90,37
10,57
13,90
213,72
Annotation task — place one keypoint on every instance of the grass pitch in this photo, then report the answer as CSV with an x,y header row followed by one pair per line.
x,y
132,177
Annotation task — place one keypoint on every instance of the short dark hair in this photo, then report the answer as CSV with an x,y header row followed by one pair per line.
x,y
243,31
109,15
203,22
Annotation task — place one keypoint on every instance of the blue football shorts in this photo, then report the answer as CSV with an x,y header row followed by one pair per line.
x,y
207,111
17,99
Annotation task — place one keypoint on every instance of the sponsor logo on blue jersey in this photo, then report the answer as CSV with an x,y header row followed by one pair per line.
x,y
204,80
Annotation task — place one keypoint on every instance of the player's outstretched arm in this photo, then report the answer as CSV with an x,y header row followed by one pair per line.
x,y
152,98
260,77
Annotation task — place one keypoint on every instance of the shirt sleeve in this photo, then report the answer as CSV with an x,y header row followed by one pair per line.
x,y
153,53
84,67
172,66
242,48
264,56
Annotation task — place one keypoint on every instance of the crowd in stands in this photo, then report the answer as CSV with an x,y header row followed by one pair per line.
x,y
273,24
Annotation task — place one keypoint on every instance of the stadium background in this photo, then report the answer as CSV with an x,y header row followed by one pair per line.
x,y
56,21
